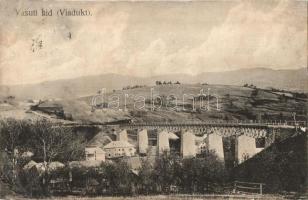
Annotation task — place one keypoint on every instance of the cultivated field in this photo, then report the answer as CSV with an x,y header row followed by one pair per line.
x,y
235,103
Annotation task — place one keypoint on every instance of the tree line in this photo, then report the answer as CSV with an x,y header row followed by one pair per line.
x,y
169,173
166,83
45,141
49,142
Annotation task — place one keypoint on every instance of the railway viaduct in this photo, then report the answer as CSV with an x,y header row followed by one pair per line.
x,y
208,134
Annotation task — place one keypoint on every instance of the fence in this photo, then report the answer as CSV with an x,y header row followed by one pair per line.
x,y
248,187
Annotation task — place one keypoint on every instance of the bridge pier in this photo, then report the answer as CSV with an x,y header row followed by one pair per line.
x,y
163,142
143,141
214,143
188,146
122,136
270,139
245,147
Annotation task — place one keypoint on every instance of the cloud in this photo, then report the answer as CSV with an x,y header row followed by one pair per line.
x,y
252,34
249,37
147,62
91,49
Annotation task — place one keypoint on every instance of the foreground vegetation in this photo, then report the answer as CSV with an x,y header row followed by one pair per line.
x,y
167,197
166,174
49,143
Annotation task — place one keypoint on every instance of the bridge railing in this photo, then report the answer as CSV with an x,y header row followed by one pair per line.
x,y
249,123
221,122
287,123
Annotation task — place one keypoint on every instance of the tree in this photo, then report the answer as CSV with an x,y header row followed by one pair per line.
x,y
12,141
119,177
158,83
210,172
283,98
254,93
165,171
189,174
53,143
146,176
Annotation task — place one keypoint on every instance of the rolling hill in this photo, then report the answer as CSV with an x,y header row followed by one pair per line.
x,y
296,79
183,103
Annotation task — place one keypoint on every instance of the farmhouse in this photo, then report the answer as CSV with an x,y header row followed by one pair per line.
x,y
94,153
117,149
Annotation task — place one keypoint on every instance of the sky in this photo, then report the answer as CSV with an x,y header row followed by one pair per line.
x,y
150,38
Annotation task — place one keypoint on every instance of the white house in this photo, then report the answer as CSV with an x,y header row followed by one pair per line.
x,y
117,149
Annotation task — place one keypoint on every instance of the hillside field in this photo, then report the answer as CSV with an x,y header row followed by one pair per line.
x,y
171,103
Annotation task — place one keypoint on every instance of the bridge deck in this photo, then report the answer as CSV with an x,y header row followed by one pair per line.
x,y
242,124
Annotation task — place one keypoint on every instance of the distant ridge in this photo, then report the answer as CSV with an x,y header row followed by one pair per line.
x,y
289,79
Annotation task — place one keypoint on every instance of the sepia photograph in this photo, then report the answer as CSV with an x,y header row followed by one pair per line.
x,y
153,99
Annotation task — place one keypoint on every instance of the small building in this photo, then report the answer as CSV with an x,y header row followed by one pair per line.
x,y
117,149
94,153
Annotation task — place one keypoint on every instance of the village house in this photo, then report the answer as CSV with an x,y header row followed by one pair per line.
x,y
94,153
117,149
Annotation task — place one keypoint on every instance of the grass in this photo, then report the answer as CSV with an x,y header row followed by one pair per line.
x,y
163,197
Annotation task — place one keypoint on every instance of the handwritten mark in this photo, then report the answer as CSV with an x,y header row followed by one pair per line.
x,y
37,43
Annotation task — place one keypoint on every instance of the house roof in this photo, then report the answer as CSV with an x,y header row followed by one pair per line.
x,y
55,165
29,165
52,166
172,136
93,149
101,139
27,154
39,167
118,144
